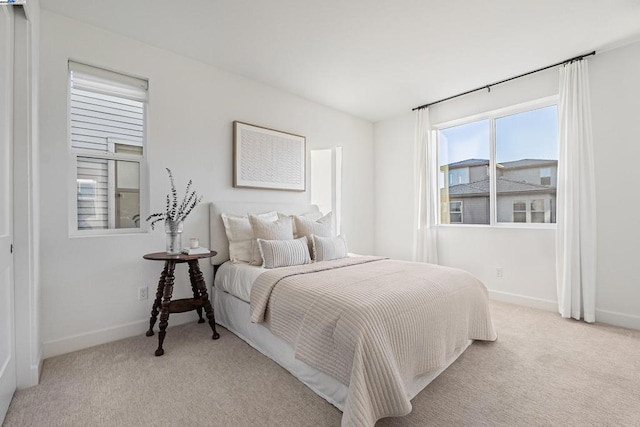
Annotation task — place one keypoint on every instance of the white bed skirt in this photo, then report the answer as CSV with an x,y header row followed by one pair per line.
x,y
233,314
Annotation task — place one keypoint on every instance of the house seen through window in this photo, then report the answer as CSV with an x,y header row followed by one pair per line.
x,y
107,123
515,184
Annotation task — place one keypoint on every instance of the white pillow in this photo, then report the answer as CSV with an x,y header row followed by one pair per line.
x,y
328,248
307,227
281,229
284,253
240,235
313,216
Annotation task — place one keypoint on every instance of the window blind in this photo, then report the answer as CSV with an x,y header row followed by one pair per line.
x,y
111,82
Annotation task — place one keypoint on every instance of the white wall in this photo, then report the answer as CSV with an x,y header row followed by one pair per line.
x,y
615,106
394,166
527,256
90,284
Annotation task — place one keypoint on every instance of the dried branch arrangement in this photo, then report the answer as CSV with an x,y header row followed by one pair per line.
x,y
174,211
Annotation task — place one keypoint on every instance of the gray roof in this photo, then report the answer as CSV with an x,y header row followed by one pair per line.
x,y
478,187
528,163
503,186
466,163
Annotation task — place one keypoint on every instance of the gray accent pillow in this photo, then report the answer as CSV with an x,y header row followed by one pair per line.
x,y
284,253
328,248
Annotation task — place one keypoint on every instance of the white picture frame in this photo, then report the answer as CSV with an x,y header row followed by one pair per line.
x,y
267,158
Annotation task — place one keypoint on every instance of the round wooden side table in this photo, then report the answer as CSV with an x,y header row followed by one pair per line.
x,y
163,304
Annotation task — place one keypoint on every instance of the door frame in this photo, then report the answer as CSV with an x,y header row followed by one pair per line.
x,y
25,286
26,234
8,368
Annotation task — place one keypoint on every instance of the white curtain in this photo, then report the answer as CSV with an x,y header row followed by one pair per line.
x,y
576,209
426,191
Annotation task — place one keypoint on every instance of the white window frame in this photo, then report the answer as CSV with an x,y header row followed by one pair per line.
x,y
491,116
75,153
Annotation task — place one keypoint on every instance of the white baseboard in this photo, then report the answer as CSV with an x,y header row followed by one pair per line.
x,y
618,319
102,336
602,316
32,376
28,373
526,301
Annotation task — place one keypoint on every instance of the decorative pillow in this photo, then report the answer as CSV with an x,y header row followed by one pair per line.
x,y
307,227
313,216
283,253
240,235
328,248
281,229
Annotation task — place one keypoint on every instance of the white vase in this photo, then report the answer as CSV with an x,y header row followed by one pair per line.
x,y
173,229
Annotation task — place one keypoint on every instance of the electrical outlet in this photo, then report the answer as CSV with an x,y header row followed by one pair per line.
x,y
499,272
143,293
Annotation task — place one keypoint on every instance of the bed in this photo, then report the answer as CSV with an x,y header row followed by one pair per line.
x,y
368,358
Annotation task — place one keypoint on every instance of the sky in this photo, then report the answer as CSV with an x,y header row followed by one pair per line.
x,y
529,135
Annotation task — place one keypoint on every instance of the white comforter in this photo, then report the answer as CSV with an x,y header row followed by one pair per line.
x,y
373,324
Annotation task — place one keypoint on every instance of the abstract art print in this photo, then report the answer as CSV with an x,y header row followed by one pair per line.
x,y
267,158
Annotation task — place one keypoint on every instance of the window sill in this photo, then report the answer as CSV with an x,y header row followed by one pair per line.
x,y
502,225
108,232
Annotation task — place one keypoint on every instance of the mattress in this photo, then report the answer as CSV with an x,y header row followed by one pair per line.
x,y
237,279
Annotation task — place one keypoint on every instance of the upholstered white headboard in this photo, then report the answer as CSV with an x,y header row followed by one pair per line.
x,y
218,238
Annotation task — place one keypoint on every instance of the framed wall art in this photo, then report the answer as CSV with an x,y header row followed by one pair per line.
x,y
267,158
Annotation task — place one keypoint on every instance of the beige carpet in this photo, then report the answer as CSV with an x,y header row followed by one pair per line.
x,y
542,371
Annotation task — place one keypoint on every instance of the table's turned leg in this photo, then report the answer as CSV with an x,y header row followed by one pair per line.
x,y
202,289
157,301
196,292
166,301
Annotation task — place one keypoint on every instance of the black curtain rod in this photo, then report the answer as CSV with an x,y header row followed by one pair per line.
x,y
488,87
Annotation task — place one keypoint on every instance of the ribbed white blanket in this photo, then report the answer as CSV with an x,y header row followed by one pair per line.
x,y
373,324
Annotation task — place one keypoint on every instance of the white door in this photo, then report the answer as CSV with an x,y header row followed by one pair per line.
x,y
7,317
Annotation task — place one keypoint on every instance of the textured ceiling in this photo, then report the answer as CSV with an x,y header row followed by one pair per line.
x,y
371,58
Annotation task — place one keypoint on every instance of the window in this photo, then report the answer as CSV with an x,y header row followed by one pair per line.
x,y
455,212
535,211
519,211
464,156
545,176
502,164
459,176
451,212
107,137
538,211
